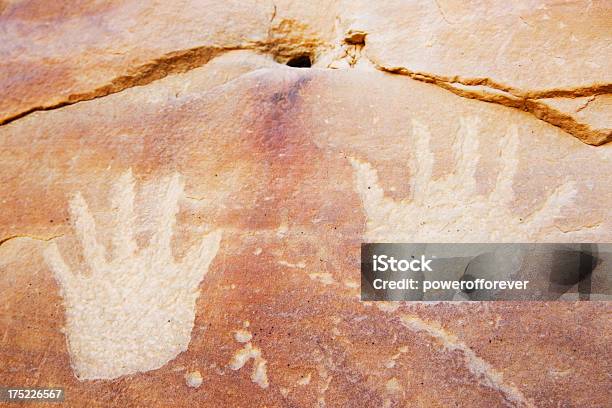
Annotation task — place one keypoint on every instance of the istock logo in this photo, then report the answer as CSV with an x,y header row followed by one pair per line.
x,y
384,263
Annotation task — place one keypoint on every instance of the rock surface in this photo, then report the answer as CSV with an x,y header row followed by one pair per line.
x,y
293,169
526,55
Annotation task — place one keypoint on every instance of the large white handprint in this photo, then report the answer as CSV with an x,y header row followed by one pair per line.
x,y
135,310
449,209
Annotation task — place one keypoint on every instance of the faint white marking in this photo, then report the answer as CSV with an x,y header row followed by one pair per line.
x,y
300,265
349,283
391,362
282,230
324,382
259,375
193,379
242,336
388,307
559,373
136,309
486,374
323,277
393,386
449,209
304,380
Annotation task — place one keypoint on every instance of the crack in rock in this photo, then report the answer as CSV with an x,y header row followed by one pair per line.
x,y
487,90
288,39
172,63
25,236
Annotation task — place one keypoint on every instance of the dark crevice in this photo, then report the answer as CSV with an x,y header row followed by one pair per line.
x,y
301,61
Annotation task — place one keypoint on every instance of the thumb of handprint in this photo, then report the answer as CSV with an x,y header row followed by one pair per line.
x,y
135,309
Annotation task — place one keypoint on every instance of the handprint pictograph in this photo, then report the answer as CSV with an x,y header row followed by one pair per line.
x,y
135,309
449,209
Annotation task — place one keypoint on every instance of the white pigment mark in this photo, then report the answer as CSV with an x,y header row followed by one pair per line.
x,y
305,380
324,277
242,336
486,374
299,265
193,379
259,374
135,310
449,208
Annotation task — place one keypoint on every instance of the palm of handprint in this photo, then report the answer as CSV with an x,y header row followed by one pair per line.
x,y
135,310
448,209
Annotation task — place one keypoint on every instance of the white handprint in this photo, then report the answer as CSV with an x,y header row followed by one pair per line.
x,y
449,209
135,310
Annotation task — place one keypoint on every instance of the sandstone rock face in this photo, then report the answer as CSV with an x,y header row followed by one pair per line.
x,y
176,200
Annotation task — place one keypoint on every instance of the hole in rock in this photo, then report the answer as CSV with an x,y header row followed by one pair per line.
x,y
302,61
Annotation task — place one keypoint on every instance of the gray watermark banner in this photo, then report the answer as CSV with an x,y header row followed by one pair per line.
x,y
482,272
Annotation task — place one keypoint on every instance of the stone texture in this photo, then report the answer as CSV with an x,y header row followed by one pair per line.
x,y
524,55
516,54
73,51
295,168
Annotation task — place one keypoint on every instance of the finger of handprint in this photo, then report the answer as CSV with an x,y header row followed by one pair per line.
x,y
169,207
503,192
86,232
200,256
58,266
366,181
466,154
422,165
551,210
123,201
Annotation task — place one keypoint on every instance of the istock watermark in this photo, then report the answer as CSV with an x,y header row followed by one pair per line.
x,y
384,263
